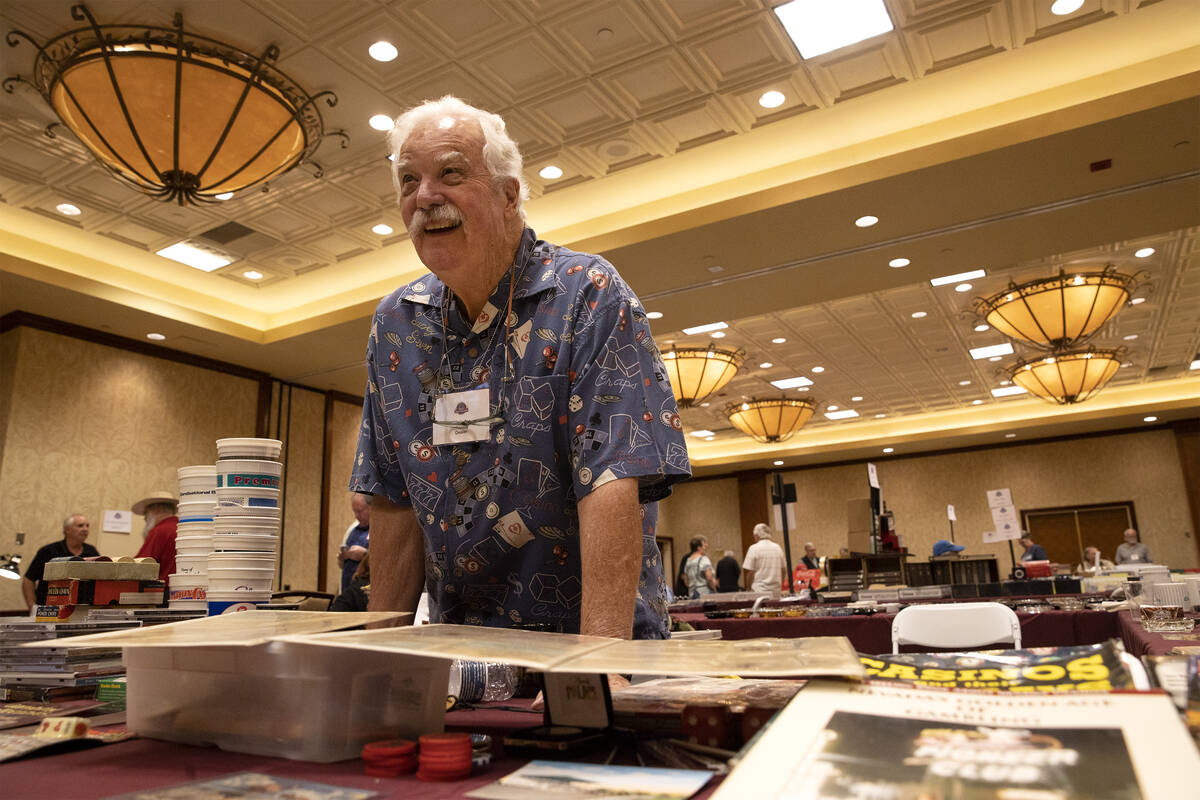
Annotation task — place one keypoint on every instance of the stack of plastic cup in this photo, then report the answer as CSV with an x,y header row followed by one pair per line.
x,y
245,538
193,538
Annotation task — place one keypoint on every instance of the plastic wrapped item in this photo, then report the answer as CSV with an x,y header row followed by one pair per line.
x,y
482,681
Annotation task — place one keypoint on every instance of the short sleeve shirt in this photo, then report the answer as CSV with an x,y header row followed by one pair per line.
x,y
766,559
579,397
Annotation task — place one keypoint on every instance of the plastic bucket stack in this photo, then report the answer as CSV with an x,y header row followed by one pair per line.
x,y
193,538
245,537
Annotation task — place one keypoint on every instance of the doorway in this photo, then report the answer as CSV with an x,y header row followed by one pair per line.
x,y
1065,531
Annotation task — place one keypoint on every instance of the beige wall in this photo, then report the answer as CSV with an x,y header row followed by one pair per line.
x,y
343,438
701,508
1140,467
92,427
304,434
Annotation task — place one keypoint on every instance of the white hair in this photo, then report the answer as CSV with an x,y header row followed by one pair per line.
x,y
500,152
761,531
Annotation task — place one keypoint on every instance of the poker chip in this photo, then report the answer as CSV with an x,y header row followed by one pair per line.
x,y
389,747
444,757
389,758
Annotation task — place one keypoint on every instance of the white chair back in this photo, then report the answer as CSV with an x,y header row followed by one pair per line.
x,y
956,625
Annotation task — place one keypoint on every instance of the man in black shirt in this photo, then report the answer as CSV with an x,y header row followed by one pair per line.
x,y
728,572
74,543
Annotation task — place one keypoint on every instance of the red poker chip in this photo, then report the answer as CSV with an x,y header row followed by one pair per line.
x,y
390,747
441,739
423,775
403,762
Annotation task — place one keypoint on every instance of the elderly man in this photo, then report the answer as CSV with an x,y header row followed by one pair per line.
x,y
518,424
74,543
764,565
1033,551
1132,551
1093,563
357,539
158,510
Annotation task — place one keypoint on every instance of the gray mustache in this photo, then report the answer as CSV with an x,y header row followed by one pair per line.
x,y
438,215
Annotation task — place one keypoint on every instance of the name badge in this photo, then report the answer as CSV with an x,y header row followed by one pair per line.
x,y
462,417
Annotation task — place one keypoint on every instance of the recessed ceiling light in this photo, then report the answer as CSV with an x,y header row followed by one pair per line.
x,y
1008,391
252,274
68,209
880,416
709,438
382,229
701,434
765,365
866,221
958,277
818,369
963,287
771,99
802,389
889,449
981,327
856,399
1127,364
158,337
186,253
822,26
224,196
1137,301
383,51
712,326
1005,349
715,268
994,358
1150,418
976,402
1010,436
653,315
1063,7
896,263
778,340
832,408
381,122
919,315
1145,252
550,172
1195,364
777,463
964,383
791,383
1006,383
846,413
705,404
1130,337
717,334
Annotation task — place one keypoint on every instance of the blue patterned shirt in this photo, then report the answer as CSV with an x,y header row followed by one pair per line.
x,y
582,399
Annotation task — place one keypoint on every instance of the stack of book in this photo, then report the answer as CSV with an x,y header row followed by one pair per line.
x,y
56,670
76,586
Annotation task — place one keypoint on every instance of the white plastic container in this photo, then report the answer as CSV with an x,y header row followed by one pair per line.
x,y
188,591
194,528
191,565
245,500
241,523
193,545
227,602
282,699
265,449
197,482
238,473
264,513
197,510
240,560
241,581
243,542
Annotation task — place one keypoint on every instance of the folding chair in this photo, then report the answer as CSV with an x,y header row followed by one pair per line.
x,y
967,626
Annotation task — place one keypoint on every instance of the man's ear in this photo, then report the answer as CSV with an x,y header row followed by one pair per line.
x,y
512,194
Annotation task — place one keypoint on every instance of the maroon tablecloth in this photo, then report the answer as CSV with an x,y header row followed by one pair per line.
x,y
1140,642
139,764
873,634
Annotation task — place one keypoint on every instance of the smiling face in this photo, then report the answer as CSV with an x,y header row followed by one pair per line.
x,y
464,225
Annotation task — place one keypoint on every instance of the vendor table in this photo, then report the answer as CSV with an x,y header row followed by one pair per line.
x,y
872,634
140,764
1140,642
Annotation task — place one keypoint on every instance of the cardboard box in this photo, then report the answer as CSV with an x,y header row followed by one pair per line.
x,y
285,699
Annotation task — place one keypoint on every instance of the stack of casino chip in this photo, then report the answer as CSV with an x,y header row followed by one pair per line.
x,y
444,757
390,758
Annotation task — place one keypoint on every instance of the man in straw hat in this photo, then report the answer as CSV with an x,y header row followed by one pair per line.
x,y
158,509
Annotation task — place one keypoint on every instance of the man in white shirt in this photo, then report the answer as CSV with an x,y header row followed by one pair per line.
x,y
764,565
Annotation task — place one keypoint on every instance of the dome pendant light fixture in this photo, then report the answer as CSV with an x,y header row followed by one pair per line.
x,y
770,420
178,116
1067,377
697,373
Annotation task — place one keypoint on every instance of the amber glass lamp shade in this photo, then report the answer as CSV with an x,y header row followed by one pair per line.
x,y
697,373
1058,312
1067,377
771,420
177,115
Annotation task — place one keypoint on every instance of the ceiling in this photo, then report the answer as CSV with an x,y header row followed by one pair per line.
x,y
971,131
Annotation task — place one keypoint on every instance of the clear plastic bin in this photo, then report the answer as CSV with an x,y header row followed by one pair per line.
x,y
298,701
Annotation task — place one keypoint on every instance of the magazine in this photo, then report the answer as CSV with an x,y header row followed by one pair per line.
x,y
1083,668
877,741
